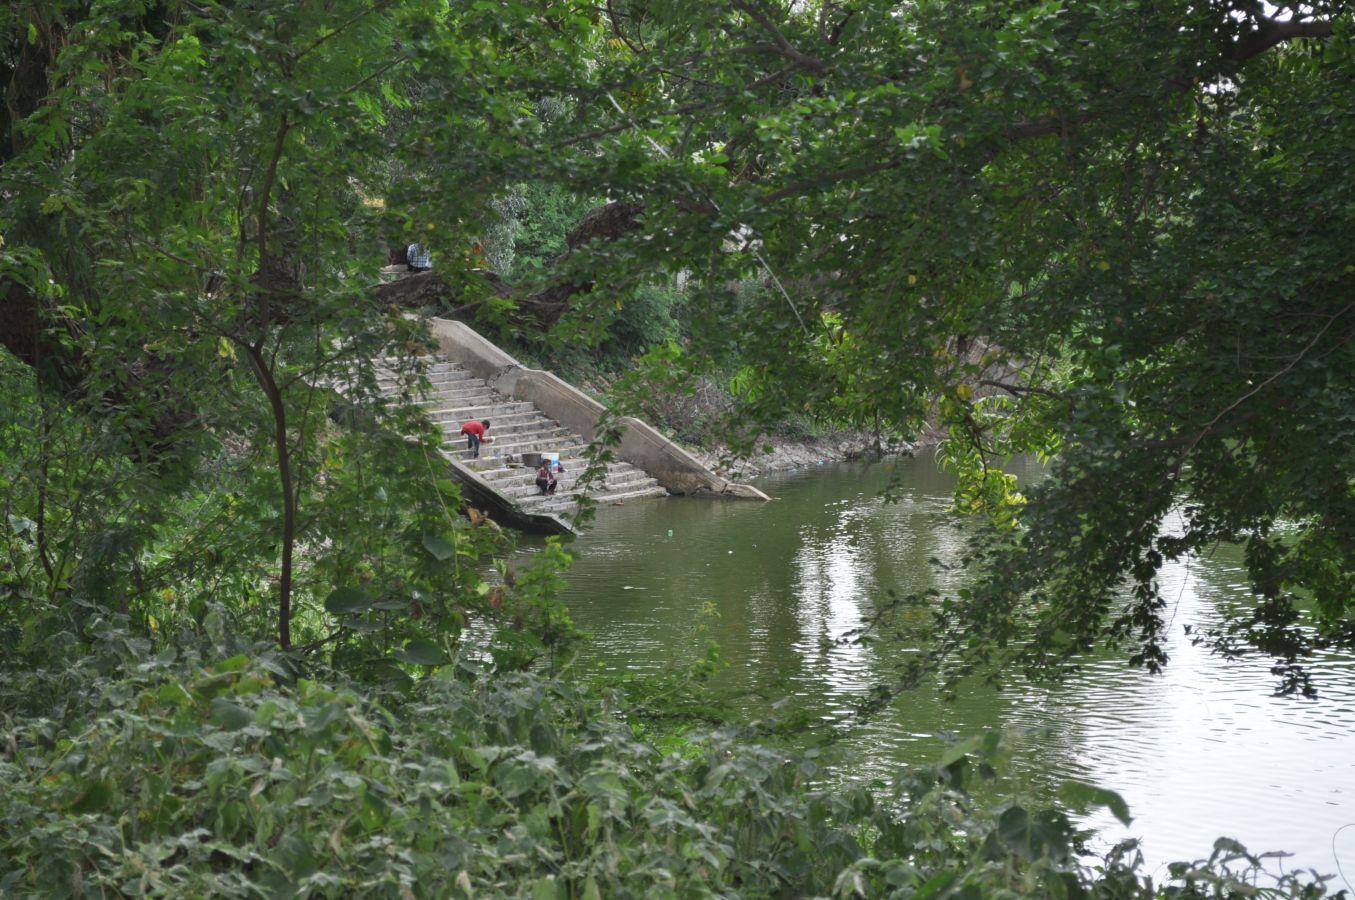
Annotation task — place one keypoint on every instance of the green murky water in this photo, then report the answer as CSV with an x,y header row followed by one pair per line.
x,y
1201,751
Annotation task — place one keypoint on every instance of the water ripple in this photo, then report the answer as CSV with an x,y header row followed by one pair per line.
x,y
1199,751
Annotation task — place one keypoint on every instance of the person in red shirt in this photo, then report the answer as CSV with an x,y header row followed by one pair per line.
x,y
475,435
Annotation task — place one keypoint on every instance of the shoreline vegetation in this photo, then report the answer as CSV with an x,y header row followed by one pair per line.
x,y
206,766
697,413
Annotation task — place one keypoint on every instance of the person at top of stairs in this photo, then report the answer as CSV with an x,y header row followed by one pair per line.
x,y
475,435
418,257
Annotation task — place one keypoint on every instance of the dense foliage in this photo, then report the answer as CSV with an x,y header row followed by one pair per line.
x,y
251,642
177,770
1116,234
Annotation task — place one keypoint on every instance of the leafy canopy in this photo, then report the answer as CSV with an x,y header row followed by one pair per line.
x,y
1112,234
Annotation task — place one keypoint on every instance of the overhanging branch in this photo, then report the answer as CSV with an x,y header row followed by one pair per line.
x,y
1273,33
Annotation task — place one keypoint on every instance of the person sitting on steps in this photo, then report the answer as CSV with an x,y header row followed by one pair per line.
x,y
545,478
418,258
475,435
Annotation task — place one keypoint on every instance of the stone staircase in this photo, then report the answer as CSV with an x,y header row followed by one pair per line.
x,y
454,396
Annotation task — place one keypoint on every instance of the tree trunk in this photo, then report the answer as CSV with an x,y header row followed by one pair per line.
x,y
284,460
44,470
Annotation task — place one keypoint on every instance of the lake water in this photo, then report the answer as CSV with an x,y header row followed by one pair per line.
x,y
1200,751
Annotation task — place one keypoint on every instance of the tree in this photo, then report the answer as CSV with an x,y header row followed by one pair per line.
x,y
188,208
1116,234
1111,233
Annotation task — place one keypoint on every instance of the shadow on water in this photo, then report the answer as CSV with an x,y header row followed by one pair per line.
x,y
1201,751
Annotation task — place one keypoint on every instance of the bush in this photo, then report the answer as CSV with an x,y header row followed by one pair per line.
x,y
167,776
646,318
223,780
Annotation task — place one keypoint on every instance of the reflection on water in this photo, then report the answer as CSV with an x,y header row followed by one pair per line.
x,y
828,589
1200,751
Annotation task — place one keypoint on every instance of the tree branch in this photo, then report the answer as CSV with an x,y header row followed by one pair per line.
x,y
377,73
826,179
779,44
261,221
615,22
1272,33
1216,425
1016,390
1298,357
341,28
694,106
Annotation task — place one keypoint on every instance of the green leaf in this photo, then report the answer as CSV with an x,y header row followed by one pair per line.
x,y
95,797
546,888
233,664
935,885
438,547
230,716
421,652
960,749
1081,796
347,601
173,693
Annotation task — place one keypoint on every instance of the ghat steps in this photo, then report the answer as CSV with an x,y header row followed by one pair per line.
x,y
454,395
469,377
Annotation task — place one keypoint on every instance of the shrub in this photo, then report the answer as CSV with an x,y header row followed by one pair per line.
x,y
163,775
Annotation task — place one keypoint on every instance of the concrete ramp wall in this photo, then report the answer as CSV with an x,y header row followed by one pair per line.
x,y
641,446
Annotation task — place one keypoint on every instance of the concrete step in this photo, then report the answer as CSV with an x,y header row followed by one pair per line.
x,y
471,396
429,359
452,420
518,448
483,411
566,445
535,498
572,457
391,385
517,470
506,429
428,368
451,426
451,395
527,431
500,462
526,487
436,376
617,474
501,452
568,503
457,386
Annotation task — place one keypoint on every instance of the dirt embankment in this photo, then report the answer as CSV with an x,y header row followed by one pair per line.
x,y
793,453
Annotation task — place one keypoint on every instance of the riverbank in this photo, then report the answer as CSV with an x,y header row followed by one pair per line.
x,y
691,416
788,454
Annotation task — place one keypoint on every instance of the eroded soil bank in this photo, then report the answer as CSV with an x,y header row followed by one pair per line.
x,y
787,454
